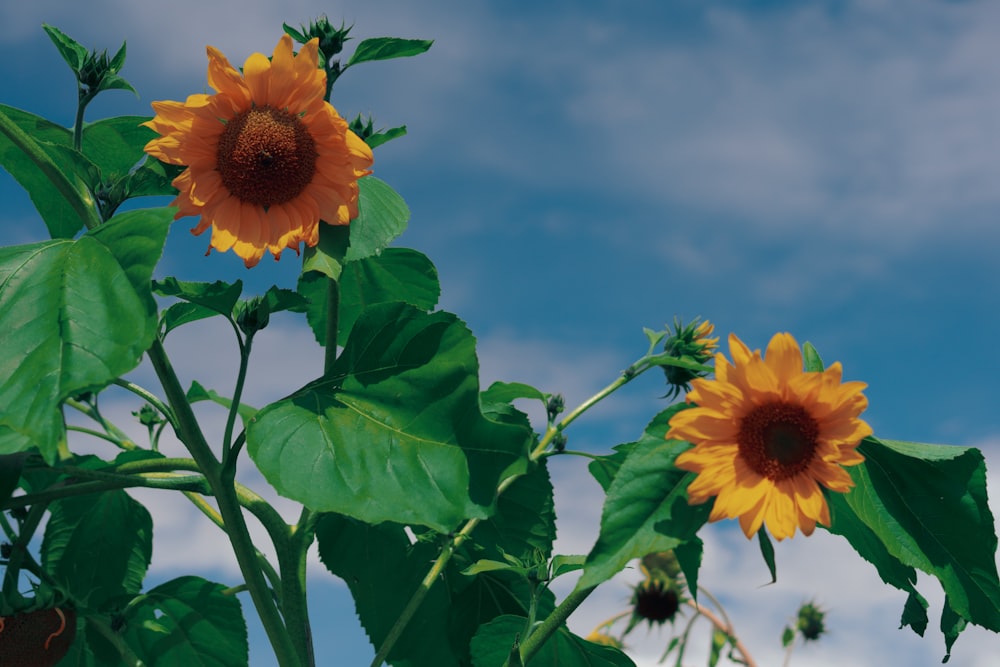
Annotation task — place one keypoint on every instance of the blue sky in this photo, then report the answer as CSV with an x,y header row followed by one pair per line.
x,y
578,171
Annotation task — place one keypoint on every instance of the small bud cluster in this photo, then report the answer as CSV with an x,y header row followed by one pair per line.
x,y
689,342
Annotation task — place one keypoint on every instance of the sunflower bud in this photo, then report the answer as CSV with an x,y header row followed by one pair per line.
x,y
690,342
331,40
253,314
810,621
655,601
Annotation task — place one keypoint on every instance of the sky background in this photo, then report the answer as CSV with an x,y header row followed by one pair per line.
x,y
580,170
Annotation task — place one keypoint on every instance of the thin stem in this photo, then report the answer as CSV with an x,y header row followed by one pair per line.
x,y
82,203
83,99
190,434
97,434
194,483
228,458
726,628
94,412
150,398
19,551
126,653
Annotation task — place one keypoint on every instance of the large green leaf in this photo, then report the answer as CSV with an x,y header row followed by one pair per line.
x,y
525,521
77,314
60,216
382,570
396,433
116,144
646,508
187,621
98,547
397,274
492,645
928,506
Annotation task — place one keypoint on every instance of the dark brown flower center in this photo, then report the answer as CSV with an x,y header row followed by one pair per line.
x,y
778,440
266,156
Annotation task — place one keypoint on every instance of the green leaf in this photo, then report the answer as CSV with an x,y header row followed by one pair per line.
x,y
719,640
79,314
689,558
604,468
813,362
294,34
565,564
198,393
952,625
74,53
491,647
187,621
525,521
152,178
219,297
398,274
767,551
376,139
924,502
180,314
396,433
787,636
327,256
915,613
646,508
382,570
98,547
385,48
10,474
382,216
508,392
62,219
116,144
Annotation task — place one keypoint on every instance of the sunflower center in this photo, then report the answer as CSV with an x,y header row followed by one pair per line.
x,y
778,440
266,156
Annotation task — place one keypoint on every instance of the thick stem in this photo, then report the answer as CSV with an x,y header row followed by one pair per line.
x,y
534,642
294,603
228,453
232,515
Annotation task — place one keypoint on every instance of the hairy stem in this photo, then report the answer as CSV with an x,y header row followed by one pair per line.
x,y
726,628
534,642
224,489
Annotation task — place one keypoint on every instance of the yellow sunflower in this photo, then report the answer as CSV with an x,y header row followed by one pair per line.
x,y
267,157
767,435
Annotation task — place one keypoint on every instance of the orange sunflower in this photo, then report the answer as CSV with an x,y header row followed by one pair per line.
x,y
267,157
767,435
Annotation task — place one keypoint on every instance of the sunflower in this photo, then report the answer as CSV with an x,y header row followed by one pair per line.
x,y
767,435
267,157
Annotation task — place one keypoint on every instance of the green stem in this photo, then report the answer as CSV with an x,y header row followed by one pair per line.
x,y
224,490
294,604
332,324
97,434
194,483
150,398
104,629
534,642
228,454
92,411
81,202
632,372
19,551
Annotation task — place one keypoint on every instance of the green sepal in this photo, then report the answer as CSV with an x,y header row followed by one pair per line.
x,y
767,552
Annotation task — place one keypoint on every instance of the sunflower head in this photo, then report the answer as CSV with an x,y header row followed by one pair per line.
x,y
266,157
769,438
693,342
810,621
655,601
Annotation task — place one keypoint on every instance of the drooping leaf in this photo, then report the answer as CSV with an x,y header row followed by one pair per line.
x,y
767,552
78,314
646,508
924,502
689,558
61,218
187,621
384,48
397,274
952,625
382,570
89,558
398,420
492,644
